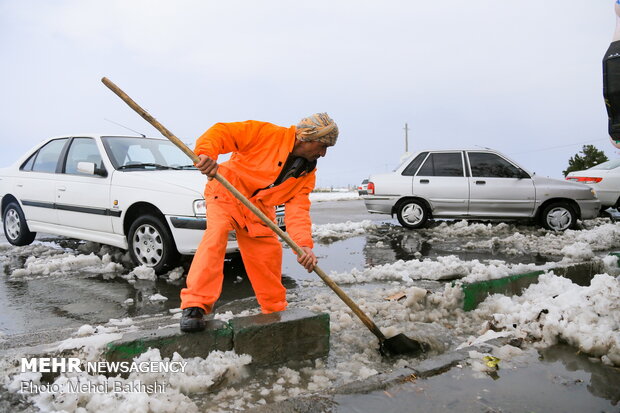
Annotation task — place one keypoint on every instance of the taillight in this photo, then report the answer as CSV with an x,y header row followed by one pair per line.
x,y
371,188
584,179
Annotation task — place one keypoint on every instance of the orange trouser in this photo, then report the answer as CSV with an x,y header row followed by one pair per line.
x,y
262,258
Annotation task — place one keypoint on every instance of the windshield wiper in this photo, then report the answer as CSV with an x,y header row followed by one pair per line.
x,y
145,165
186,167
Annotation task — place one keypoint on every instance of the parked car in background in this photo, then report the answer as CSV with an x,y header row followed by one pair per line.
x,y
363,188
140,194
476,184
604,178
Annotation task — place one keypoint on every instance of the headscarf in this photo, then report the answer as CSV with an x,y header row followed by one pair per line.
x,y
318,127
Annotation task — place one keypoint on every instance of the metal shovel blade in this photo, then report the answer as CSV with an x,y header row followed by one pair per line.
x,y
401,344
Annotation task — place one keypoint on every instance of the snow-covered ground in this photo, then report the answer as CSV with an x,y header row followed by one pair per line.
x,y
334,196
555,309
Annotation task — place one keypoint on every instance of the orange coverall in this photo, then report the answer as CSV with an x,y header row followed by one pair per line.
x,y
260,151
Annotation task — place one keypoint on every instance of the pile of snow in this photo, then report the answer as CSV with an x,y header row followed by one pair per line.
x,y
341,230
442,268
65,263
141,272
199,375
557,309
598,235
157,297
333,196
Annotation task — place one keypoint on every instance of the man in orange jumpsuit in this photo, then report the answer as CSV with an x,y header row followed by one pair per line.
x,y
270,165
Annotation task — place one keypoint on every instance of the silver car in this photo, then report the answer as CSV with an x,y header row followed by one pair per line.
x,y
476,184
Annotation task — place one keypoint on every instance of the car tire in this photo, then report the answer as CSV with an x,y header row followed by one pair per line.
x,y
412,214
151,244
15,227
558,216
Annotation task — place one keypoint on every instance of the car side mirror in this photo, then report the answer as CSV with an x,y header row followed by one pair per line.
x,y
86,168
90,168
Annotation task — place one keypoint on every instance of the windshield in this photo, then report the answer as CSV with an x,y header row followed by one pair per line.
x,y
608,165
132,153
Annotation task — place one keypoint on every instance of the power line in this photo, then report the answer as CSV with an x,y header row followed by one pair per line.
x,y
559,146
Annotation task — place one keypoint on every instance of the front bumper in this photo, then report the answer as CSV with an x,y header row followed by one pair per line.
x,y
589,208
188,231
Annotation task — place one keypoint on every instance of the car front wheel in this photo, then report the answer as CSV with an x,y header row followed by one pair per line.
x,y
15,226
151,244
558,216
412,214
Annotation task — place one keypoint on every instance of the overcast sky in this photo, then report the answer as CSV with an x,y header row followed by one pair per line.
x,y
520,77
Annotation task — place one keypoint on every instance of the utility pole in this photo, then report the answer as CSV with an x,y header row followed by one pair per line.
x,y
406,128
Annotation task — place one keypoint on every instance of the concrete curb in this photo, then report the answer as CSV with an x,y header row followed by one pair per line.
x,y
295,334
580,273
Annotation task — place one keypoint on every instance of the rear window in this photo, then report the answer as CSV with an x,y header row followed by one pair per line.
x,y
442,164
413,167
608,165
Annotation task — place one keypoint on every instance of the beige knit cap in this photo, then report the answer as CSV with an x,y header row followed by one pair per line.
x,y
318,127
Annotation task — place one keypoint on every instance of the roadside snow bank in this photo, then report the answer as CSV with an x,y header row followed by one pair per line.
x,y
341,230
198,375
557,309
597,235
443,268
67,262
333,196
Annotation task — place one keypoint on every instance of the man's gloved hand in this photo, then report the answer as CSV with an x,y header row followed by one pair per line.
x,y
308,260
207,166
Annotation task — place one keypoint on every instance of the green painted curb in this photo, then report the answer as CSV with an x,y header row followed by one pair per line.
x,y
217,336
474,293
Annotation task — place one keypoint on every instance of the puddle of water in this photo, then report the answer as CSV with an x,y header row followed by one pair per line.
x,y
556,379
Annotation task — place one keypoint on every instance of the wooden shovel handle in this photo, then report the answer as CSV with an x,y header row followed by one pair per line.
x,y
330,283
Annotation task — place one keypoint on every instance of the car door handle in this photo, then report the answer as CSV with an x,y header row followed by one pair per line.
x,y
424,181
62,188
20,185
481,182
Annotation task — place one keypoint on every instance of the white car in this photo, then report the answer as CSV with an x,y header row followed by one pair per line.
x,y
136,193
604,178
476,184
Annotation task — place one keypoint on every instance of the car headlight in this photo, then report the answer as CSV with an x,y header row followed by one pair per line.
x,y
200,207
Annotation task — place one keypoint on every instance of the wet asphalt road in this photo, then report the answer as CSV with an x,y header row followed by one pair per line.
x,y
74,299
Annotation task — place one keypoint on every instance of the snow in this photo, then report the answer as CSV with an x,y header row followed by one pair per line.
x,y
556,309
442,268
553,310
596,235
342,230
199,375
142,272
64,263
157,297
334,196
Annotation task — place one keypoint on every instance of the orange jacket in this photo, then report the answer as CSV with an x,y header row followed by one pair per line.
x,y
259,152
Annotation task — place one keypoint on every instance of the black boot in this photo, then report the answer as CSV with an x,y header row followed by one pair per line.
x,y
192,320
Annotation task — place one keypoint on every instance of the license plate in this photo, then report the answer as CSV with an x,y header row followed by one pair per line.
x,y
280,221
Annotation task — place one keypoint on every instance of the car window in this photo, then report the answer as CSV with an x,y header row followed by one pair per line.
x,y
47,157
82,150
411,169
125,151
442,164
613,164
490,165
27,166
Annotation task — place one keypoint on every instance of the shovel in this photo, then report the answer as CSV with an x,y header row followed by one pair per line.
x,y
399,344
